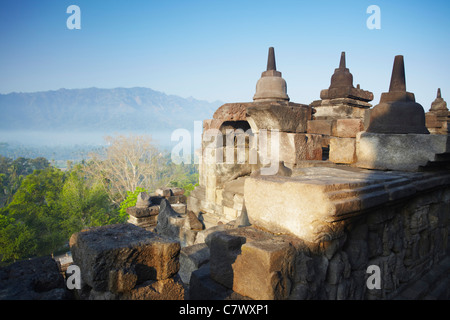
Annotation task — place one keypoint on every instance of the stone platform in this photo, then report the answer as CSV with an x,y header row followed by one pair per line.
x,y
315,203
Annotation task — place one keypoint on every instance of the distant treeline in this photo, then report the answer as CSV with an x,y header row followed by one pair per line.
x,y
57,154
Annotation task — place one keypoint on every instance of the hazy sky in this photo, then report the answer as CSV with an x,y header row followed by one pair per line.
x,y
216,50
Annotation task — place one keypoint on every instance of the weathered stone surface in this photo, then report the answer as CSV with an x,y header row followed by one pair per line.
x,y
242,220
431,120
34,279
224,247
338,268
304,201
290,148
143,212
398,151
122,280
271,262
204,235
342,150
167,289
177,191
170,222
228,112
143,221
347,128
176,199
401,239
97,251
191,259
282,116
221,165
320,127
143,200
179,208
342,108
193,223
167,192
235,186
296,147
279,169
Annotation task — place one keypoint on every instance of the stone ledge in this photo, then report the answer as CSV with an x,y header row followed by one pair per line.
x,y
314,203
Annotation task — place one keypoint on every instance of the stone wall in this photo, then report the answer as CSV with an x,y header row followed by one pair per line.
x,y
404,240
407,239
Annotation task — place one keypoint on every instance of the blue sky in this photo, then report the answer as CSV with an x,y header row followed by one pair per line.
x,y
216,50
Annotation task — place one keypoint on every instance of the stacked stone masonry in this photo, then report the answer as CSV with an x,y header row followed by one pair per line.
x,y
126,262
145,213
407,238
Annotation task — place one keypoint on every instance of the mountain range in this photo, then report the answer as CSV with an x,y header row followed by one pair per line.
x,y
106,110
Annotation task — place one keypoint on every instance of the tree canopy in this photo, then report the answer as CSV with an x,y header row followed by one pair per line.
x,y
42,206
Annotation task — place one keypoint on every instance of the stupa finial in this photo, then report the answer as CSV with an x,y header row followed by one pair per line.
x,y
342,64
398,79
271,64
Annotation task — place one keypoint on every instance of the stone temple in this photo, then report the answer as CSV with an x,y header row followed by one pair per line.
x,y
295,201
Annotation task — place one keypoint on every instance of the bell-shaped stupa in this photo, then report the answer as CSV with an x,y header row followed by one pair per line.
x,y
271,86
342,85
437,119
439,104
398,111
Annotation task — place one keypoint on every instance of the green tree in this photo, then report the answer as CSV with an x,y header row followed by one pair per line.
x,y
84,203
16,240
12,173
130,201
34,211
